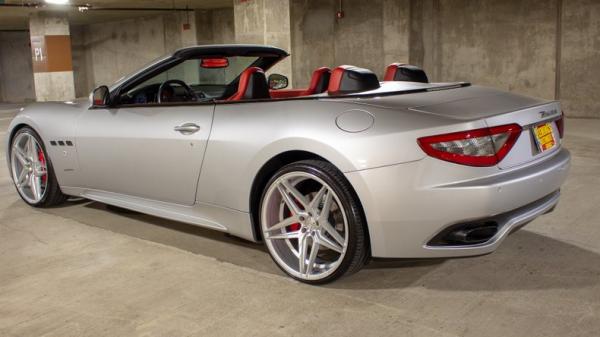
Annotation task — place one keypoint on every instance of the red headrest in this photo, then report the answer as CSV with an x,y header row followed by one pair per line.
x,y
390,72
336,78
319,81
252,85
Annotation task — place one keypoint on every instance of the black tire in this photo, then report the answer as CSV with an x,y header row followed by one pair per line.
x,y
358,250
52,195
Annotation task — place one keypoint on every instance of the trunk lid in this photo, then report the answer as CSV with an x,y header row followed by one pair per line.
x,y
461,103
493,106
528,147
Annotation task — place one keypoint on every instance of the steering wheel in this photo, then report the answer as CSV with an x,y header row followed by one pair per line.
x,y
167,84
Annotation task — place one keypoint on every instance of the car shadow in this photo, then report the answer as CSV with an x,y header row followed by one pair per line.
x,y
525,261
198,240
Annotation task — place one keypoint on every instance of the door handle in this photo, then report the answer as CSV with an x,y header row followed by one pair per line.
x,y
187,128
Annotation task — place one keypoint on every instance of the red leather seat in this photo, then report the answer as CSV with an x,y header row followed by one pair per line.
x,y
318,84
252,85
319,81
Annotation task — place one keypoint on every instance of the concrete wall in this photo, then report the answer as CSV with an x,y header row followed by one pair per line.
x,y
372,34
543,48
16,73
265,22
223,25
580,58
103,53
505,44
215,26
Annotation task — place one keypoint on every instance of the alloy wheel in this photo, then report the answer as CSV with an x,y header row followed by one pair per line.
x,y
304,225
29,168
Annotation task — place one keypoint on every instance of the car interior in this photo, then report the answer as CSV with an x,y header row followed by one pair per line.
x,y
237,78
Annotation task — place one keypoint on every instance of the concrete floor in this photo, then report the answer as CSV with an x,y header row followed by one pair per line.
x,y
83,270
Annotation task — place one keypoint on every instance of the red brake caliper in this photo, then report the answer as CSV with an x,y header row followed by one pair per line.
x,y
42,163
295,226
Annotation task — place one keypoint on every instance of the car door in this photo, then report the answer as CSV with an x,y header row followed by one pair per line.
x,y
153,152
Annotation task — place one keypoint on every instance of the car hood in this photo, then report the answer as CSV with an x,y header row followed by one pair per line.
x,y
462,103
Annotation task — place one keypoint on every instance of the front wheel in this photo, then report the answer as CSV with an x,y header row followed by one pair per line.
x,y
32,171
312,223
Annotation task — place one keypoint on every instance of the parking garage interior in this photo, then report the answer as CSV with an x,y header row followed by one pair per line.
x,y
86,269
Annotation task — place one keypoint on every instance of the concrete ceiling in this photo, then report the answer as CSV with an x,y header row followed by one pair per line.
x,y
16,18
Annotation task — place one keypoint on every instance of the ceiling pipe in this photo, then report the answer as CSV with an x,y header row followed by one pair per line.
x,y
26,4
93,8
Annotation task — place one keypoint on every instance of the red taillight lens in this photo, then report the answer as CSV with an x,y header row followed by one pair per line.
x,y
560,125
481,147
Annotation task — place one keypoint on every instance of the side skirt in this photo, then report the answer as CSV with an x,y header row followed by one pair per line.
x,y
211,216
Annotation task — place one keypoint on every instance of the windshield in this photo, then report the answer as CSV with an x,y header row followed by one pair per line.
x,y
135,72
194,72
194,79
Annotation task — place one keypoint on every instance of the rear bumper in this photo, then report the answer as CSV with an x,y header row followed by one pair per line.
x,y
407,205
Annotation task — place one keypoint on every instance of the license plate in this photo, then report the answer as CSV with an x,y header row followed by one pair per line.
x,y
544,137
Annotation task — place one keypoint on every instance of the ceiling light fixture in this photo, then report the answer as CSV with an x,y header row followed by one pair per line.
x,y
57,2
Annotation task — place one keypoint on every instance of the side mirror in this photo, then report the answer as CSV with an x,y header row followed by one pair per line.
x,y
278,81
100,96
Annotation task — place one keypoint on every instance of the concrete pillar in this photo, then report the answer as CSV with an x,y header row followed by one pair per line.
x,y
396,31
265,22
215,26
16,73
51,56
180,30
424,37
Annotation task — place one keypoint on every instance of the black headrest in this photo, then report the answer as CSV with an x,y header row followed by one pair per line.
x,y
252,85
350,79
258,87
405,72
319,81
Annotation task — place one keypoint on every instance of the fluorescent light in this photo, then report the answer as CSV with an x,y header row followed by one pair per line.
x,y
57,2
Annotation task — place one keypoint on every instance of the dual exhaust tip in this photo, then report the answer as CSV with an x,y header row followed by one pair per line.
x,y
473,236
466,234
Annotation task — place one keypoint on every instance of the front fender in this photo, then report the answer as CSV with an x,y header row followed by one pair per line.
x,y
20,120
52,122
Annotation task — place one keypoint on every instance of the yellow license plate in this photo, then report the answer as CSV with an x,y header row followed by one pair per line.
x,y
544,137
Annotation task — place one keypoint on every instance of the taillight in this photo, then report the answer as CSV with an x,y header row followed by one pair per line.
x,y
481,147
560,124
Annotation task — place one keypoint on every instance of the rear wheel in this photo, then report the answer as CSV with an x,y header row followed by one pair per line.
x,y
312,224
32,171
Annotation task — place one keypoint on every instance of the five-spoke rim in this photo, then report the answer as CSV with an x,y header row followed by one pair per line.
x,y
29,168
304,225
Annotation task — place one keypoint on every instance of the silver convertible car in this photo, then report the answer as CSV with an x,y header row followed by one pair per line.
x,y
327,176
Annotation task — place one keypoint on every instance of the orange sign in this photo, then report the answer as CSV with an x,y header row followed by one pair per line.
x,y
51,53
